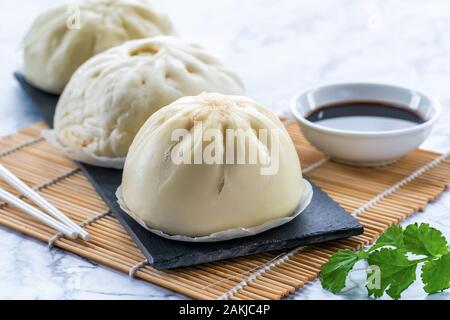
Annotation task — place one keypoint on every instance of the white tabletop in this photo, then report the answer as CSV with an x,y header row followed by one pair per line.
x,y
278,47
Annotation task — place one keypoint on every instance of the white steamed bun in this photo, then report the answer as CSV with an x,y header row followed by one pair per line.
x,y
112,95
200,199
52,51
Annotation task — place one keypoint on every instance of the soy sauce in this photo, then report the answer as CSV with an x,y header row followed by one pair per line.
x,y
368,116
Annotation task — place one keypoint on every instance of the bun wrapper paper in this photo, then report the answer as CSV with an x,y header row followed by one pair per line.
x,y
229,234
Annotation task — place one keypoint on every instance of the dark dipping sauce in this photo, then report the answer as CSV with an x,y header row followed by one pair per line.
x,y
368,116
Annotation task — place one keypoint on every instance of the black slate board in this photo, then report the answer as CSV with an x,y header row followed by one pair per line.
x,y
323,220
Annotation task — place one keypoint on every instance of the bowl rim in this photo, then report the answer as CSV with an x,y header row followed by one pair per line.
x,y
435,105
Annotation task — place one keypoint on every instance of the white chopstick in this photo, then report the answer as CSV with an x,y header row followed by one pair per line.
x,y
20,186
16,202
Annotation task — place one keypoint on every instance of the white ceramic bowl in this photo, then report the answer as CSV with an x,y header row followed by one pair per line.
x,y
365,148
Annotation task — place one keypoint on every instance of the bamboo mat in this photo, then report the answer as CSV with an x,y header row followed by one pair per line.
x,y
377,197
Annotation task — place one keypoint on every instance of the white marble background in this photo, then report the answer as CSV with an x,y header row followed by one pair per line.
x,y
279,47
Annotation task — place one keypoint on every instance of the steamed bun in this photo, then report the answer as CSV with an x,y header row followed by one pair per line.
x,y
52,51
199,199
112,95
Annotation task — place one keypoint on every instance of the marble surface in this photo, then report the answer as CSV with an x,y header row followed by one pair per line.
x,y
279,47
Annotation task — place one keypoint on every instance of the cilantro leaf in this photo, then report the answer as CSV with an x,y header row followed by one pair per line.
x,y
424,240
391,237
436,274
391,271
397,272
335,271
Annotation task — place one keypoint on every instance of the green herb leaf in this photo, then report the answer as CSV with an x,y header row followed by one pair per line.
x,y
424,240
335,271
397,272
391,237
436,274
391,271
